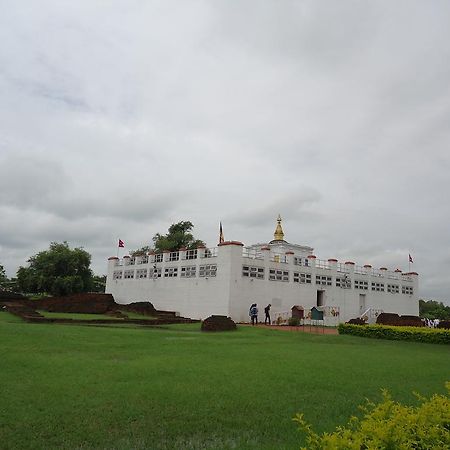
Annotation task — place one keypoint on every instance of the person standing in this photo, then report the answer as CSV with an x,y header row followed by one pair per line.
x,y
267,313
253,313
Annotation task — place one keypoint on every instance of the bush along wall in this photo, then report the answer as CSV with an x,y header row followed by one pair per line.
x,y
429,335
389,425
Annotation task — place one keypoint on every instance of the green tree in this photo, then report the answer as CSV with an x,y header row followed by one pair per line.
x,y
3,276
4,282
59,270
98,283
141,251
179,235
431,309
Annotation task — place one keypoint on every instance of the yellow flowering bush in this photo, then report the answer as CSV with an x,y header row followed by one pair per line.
x,y
389,425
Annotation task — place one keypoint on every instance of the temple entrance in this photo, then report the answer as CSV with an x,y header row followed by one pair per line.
x,y
320,297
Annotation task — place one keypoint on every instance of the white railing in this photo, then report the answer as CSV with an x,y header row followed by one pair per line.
x,y
251,253
322,264
342,268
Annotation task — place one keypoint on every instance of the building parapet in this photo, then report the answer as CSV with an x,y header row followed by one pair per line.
x,y
261,257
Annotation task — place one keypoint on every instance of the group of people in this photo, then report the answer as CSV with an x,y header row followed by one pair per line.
x,y
253,313
431,323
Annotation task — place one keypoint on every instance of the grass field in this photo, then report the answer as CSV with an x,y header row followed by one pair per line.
x,y
173,387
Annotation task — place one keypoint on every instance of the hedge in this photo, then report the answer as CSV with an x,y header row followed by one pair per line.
x,y
389,425
429,335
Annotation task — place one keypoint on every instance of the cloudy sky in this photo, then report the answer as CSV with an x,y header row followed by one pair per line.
x,y
121,117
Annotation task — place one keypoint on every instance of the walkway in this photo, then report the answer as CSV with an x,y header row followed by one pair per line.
x,y
300,329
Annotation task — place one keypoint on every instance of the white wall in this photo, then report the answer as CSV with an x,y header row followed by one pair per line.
x,y
229,293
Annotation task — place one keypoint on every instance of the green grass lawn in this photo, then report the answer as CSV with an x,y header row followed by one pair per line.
x,y
173,387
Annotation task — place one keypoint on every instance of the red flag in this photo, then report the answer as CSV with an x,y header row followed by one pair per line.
x,y
410,259
221,238
121,243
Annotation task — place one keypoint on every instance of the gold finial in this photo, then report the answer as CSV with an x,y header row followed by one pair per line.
x,y
278,235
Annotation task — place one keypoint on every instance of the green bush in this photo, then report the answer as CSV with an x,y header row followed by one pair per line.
x,y
294,321
389,425
429,335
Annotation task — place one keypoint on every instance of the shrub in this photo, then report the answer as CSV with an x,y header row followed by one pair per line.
x,y
218,323
294,321
357,321
429,335
389,425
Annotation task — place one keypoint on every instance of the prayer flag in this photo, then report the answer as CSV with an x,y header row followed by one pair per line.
x,y
410,259
121,243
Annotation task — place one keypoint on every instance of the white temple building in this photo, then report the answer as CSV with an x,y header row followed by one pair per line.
x,y
227,279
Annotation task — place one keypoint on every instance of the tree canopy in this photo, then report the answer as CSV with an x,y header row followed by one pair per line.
x,y
179,235
59,270
432,309
141,251
2,274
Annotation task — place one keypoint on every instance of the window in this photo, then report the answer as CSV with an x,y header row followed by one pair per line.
x,y
300,261
191,254
359,284
408,290
323,280
278,275
117,275
159,257
208,270
141,273
253,272
304,278
155,272
188,272
379,287
128,274
170,272
343,282
208,253
132,261
174,256
143,260
393,288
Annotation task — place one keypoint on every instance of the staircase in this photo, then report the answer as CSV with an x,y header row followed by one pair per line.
x,y
370,315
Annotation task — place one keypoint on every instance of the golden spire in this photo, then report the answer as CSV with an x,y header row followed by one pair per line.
x,y
278,235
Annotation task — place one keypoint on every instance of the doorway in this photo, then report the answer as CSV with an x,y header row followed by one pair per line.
x,y
320,298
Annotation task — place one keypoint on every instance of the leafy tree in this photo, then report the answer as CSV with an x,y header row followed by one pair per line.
x,y
98,283
4,282
2,274
141,251
432,309
59,270
179,235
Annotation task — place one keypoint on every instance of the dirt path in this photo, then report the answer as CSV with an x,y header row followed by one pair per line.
x,y
299,329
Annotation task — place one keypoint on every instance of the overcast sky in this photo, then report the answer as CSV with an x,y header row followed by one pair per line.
x,y
119,118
